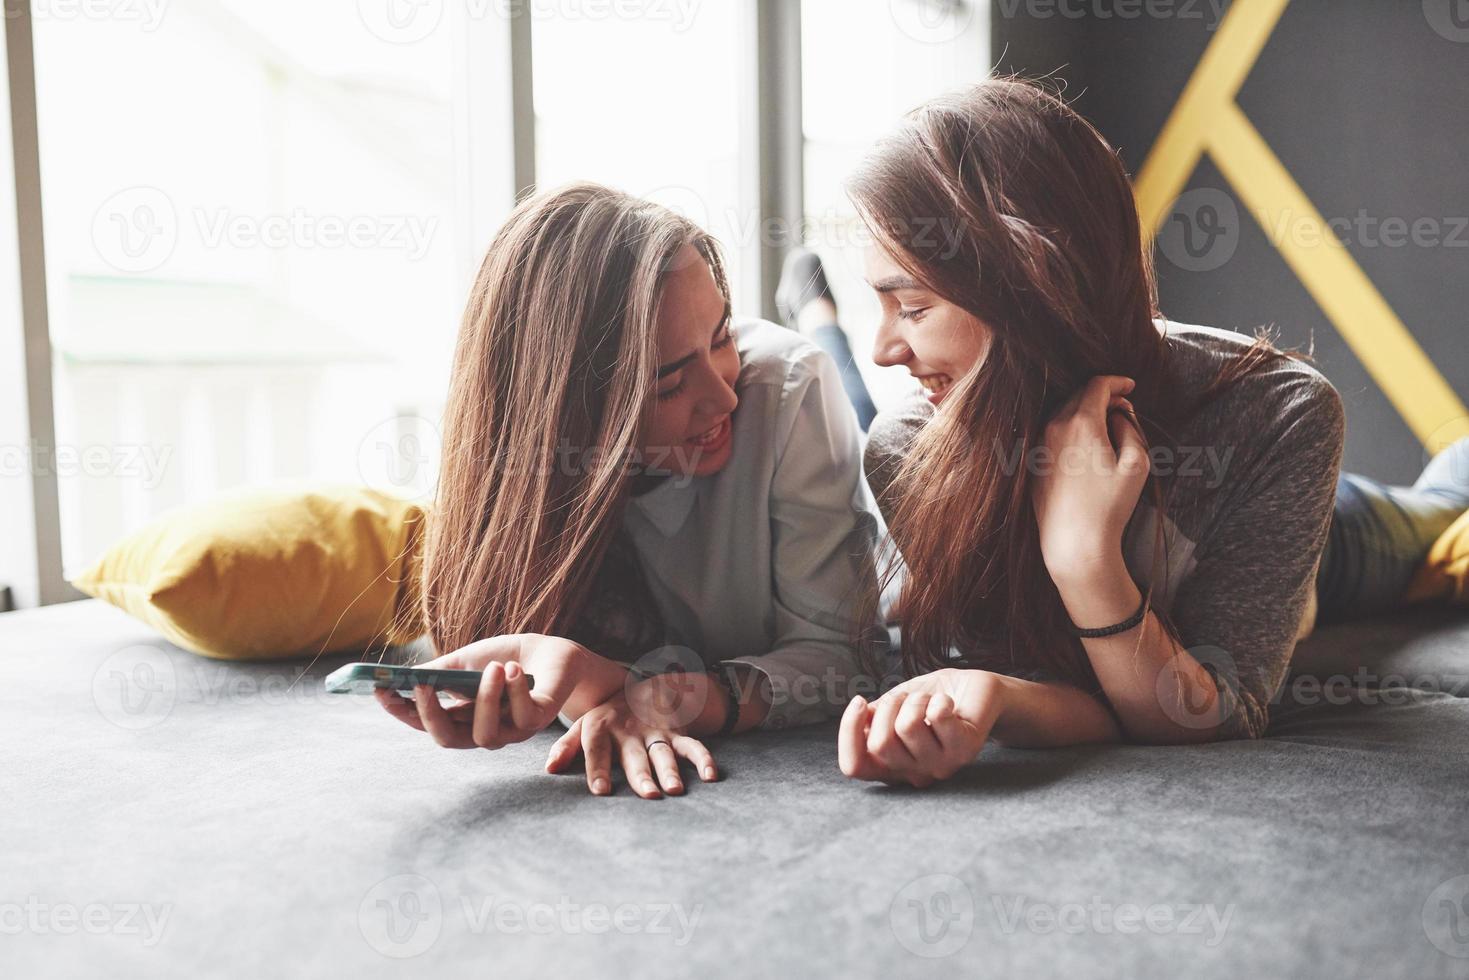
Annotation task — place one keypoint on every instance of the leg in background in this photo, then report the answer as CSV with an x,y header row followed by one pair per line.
x,y
805,302
1381,534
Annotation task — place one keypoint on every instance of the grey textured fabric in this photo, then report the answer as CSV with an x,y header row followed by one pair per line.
x,y
1251,480
168,816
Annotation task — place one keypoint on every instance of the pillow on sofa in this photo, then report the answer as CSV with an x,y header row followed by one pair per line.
x,y
272,573
1445,573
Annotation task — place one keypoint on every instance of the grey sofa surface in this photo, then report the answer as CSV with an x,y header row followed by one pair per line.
x,y
167,815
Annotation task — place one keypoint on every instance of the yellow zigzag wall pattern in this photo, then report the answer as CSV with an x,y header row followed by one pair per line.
x,y
1208,120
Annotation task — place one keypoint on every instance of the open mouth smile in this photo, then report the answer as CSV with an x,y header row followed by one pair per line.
x,y
937,385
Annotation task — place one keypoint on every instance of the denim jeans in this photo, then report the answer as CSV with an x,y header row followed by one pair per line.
x,y
833,340
1379,537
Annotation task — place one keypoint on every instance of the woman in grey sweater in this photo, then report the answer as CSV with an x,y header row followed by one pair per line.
x,y
1112,526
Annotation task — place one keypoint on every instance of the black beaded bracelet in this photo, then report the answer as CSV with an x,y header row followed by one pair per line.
x,y
720,673
1113,630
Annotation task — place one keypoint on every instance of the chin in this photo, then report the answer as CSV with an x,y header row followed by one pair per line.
x,y
712,463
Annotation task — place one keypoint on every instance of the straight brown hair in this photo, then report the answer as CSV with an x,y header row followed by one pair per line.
x,y
553,376
1038,236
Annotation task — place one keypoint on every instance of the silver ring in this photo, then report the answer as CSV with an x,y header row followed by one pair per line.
x,y
658,741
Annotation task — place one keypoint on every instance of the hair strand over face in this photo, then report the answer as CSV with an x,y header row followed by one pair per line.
x,y
1041,242
554,369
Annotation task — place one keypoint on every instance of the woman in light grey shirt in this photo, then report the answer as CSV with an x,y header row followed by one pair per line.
x,y
655,512
765,562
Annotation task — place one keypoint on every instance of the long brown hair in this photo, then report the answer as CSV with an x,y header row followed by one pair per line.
x,y
556,355
1004,201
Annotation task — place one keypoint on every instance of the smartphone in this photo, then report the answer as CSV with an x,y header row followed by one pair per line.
x,y
364,678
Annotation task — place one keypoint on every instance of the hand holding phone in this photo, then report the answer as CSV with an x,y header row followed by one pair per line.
x,y
365,678
501,708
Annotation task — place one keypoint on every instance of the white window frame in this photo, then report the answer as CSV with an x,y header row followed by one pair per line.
x,y
492,95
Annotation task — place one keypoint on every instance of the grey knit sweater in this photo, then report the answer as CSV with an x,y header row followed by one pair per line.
x,y
1255,483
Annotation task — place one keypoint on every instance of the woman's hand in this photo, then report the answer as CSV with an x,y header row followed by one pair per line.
x,y
643,729
506,709
921,731
1085,493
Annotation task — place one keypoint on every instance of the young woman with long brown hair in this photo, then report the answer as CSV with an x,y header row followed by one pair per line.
x,y
1111,525
654,510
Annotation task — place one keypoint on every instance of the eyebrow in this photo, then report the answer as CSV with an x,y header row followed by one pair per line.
x,y
892,283
673,366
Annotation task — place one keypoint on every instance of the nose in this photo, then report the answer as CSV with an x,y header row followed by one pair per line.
x,y
716,396
889,349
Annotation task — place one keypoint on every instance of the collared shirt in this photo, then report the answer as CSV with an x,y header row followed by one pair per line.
x,y
771,561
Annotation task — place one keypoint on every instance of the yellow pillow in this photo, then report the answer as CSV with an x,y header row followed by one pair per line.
x,y
274,573
1445,573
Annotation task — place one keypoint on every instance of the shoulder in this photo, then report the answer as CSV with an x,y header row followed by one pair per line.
x,y
772,355
890,438
1282,394
1197,353
893,430
786,382
782,362
1269,442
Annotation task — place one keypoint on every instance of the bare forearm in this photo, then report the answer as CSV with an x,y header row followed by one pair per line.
x,y
1036,715
1160,692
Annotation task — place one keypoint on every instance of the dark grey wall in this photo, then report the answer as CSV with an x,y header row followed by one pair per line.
x,y
1366,103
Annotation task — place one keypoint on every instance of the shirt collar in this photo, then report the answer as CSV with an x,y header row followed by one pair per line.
x,y
667,506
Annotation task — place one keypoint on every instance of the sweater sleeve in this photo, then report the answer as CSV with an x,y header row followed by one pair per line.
x,y
1240,610
888,441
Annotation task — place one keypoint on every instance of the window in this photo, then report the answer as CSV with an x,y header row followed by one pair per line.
x,y
862,67
261,216
648,102
250,250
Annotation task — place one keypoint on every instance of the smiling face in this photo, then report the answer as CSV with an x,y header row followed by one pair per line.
x,y
689,431
935,340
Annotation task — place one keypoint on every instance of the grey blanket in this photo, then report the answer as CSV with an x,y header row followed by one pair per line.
x,y
167,815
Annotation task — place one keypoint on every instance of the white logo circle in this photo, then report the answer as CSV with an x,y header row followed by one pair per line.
x,y
136,229
400,456
1442,438
401,21
669,702
681,200
401,916
932,21
1446,917
135,687
933,916
1448,18
1185,705
1202,231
